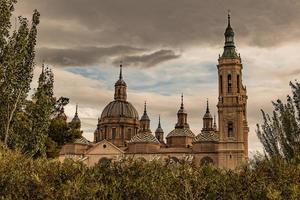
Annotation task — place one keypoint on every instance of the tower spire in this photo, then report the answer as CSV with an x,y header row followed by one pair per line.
x,y
207,107
229,15
229,47
159,126
181,101
145,108
121,75
120,87
76,112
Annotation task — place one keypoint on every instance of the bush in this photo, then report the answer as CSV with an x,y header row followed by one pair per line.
x,y
22,177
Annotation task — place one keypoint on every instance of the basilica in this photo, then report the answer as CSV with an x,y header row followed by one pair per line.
x,y
120,131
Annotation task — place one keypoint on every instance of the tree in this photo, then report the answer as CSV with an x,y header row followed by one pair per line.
x,y
43,103
17,62
280,134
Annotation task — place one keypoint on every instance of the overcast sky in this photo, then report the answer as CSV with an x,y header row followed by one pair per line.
x,y
168,47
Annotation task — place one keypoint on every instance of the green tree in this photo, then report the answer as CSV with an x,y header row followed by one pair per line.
x,y
43,103
17,62
60,131
280,134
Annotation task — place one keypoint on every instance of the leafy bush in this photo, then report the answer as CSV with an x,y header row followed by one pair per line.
x,y
22,177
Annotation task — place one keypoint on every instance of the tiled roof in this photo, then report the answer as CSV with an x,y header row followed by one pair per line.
x,y
207,136
181,132
82,140
143,137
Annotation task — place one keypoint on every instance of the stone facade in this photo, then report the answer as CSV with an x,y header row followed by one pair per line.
x,y
120,133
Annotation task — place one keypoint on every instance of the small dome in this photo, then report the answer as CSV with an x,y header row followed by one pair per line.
x,y
120,109
143,137
186,132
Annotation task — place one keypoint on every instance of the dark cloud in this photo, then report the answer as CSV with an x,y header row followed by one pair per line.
x,y
148,60
83,56
167,22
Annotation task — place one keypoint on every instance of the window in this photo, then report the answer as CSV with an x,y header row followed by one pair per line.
x,y
113,133
221,84
238,83
230,129
229,83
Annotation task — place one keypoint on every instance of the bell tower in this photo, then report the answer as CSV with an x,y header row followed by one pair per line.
x,y
232,105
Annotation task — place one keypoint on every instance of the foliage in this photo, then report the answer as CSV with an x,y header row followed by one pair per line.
x,y
43,103
16,60
280,134
24,178
60,133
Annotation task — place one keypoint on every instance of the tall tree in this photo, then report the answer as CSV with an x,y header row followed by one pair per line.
x,y
17,62
43,104
280,134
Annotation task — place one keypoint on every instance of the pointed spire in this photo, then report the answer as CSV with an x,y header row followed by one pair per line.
x,y
229,15
207,107
145,108
159,126
76,112
121,75
181,101
43,67
145,115
229,48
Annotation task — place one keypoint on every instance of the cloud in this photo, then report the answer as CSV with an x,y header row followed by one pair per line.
x,y
167,23
83,56
148,60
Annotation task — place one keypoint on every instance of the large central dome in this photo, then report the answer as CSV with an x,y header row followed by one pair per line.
x,y
119,109
119,120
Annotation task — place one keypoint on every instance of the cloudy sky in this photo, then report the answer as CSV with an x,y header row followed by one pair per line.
x,y
168,47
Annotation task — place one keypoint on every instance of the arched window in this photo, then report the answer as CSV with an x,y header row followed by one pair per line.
x,y
238,83
221,84
229,80
230,130
206,161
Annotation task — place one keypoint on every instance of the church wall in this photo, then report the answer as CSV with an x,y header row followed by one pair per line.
x,y
204,147
230,160
74,149
143,147
179,141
